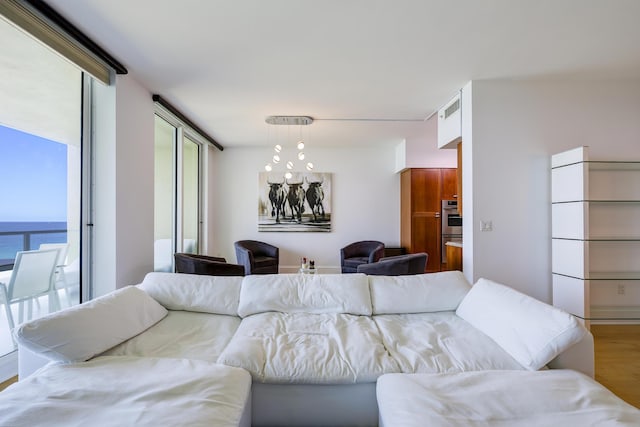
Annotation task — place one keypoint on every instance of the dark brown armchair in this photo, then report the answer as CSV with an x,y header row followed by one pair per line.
x,y
400,265
363,252
257,257
207,265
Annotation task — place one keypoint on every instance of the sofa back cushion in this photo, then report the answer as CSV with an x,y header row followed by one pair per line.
x,y
531,331
421,293
83,331
194,292
305,293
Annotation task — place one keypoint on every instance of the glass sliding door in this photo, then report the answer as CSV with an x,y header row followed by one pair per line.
x,y
164,195
178,196
190,195
41,175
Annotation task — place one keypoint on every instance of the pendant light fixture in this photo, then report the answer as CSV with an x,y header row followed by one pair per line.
x,y
279,150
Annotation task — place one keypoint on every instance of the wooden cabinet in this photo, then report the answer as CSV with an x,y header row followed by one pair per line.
x,y
454,256
425,190
449,184
421,195
595,237
425,237
459,177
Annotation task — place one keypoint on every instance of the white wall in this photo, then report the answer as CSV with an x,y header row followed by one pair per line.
x,y
134,181
466,109
421,151
516,127
124,186
365,203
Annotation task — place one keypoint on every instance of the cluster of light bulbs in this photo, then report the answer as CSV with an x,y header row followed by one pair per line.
x,y
289,165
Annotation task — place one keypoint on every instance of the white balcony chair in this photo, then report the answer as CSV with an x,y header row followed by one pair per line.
x,y
62,280
63,248
31,277
70,280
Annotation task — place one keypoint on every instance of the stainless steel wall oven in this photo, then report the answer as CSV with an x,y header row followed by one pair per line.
x,y
451,225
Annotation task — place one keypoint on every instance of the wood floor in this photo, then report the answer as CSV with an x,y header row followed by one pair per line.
x,y
617,354
8,382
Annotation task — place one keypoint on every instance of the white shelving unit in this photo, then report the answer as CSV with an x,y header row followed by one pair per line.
x,y
596,237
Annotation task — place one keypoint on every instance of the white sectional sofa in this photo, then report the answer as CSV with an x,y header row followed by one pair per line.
x,y
314,345
122,391
553,397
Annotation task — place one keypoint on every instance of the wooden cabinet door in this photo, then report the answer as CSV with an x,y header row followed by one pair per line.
x,y
425,190
459,170
426,238
405,209
449,184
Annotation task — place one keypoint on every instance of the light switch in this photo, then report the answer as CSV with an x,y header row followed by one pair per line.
x,y
486,225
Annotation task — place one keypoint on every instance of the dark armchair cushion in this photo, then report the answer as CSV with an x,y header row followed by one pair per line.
x,y
401,265
357,253
207,265
257,257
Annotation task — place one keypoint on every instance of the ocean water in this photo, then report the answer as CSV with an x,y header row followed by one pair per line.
x,y
12,243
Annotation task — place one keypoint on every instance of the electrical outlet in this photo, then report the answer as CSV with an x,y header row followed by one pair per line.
x,y
621,289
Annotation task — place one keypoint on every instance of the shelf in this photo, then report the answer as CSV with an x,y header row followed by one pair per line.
x,y
595,236
613,221
614,202
603,239
599,165
600,201
611,276
613,239
614,313
614,275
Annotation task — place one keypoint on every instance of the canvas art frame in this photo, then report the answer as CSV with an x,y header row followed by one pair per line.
x,y
301,203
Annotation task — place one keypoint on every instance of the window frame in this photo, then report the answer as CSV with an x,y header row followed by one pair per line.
x,y
184,131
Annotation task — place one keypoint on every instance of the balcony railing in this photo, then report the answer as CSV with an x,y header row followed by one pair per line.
x,y
7,263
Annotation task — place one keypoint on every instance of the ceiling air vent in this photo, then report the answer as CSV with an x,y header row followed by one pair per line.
x,y
455,106
450,123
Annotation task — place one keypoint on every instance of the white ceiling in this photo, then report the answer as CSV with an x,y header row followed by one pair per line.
x,y
227,64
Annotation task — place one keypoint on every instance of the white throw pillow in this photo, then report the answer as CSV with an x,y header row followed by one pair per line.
x,y
194,292
420,293
531,331
305,293
83,331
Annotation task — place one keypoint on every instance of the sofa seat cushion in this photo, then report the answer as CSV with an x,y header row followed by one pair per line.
x,y
308,348
533,332
439,342
182,334
125,391
553,397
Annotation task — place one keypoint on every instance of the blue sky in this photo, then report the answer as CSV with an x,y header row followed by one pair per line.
x,y
33,177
